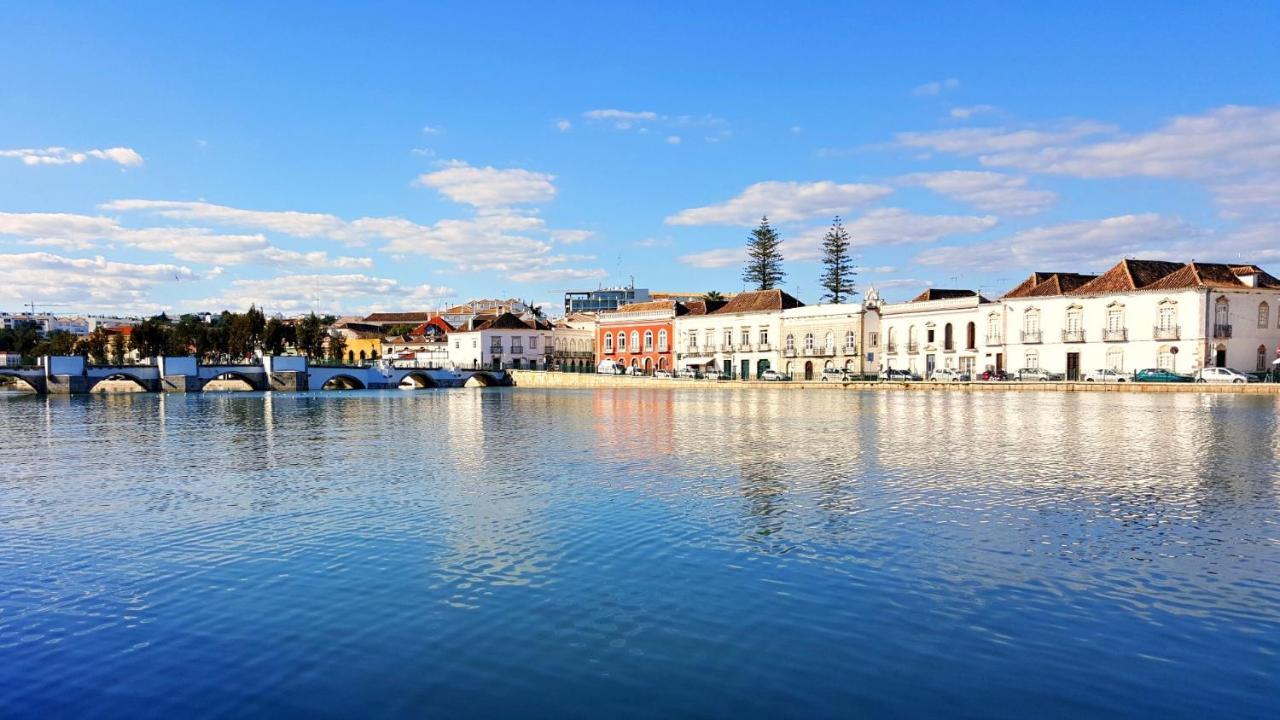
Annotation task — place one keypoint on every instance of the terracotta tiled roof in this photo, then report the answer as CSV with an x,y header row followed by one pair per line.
x,y
1047,284
1265,279
1213,275
505,321
437,322
758,301
1127,275
399,317
942,294
651,306
702,307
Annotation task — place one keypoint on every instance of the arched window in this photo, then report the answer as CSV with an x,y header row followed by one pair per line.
x,y
808,341
648,341
1264,316
635,341
911,335
791,342
993,329
361,356
1115,359
608,342
1031,326
892,340
1165,358
351,356
829,342
1222,318
622,342
662,341
971,336
948,338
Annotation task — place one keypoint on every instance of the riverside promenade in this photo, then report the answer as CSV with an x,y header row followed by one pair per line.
x,y
542,379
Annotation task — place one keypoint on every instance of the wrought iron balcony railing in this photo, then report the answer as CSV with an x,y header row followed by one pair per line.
x,y
1032,336
1115,334
1072,336
1222,331
1168,332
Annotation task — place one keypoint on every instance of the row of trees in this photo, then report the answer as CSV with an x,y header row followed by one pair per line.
x,y
229,337
764,261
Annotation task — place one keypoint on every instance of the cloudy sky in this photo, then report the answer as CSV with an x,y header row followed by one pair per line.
x,y
156,157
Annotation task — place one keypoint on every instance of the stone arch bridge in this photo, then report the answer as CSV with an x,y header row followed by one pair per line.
x,y
68,375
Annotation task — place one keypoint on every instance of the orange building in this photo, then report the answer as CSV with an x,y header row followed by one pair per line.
x,y
640,335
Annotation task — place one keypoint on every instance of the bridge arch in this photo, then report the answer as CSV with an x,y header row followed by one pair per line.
x,y
22,378
481,379
418,381
343,381
145,384
254,383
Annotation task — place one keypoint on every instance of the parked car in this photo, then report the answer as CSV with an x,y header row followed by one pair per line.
x,y
833,374
689,373
1037,374
715,375
948,375
898,375
610,367
1105,375
992,375
1220,375
1160,375
774,376
633,370
662,373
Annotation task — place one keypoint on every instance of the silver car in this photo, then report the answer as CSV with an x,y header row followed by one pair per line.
x,y
1221,375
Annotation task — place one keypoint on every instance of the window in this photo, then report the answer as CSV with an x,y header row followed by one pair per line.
x,y
635,341
648,341
1264,317
1033,359
791,342
1115,318
728,338
662,341
993,327
1164,358
971,336
745,336
1075,319
874,339
764,336
829,342
622,342
1222,312
808,341
850,340
693,339
608,342
948,338
1031,322
533,342
709,338
911,335
1262,356
1115,359
928,335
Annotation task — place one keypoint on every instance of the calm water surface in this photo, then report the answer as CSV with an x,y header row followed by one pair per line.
x,y
524,553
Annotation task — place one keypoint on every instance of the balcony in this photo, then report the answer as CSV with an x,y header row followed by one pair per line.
x,y
993,340
1032,336
789,352
1172,332
764,347
726,348
517,349
1072,336
1115,335
495,350
744,347
1222,331
913,347
850,350
891,348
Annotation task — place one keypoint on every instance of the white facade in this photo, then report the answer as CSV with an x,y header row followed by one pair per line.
x,y
816,337
961,333
730,343
500,347
574,342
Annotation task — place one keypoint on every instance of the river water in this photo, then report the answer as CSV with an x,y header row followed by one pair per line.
x,y
640,553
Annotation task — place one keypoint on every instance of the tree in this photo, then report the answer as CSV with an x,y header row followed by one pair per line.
x,y
276,335
310,336
764,259
191,335
337,347
58,342
117,349
713,296
837,277
257,323
22,339
94,345
151,337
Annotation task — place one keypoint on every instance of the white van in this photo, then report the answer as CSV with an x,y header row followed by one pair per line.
x,y
610,367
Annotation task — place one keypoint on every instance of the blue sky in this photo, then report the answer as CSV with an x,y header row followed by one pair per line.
x,y
169,156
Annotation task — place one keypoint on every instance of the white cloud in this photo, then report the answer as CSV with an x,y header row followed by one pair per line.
x,y
964,113
782,202
288,222
1078,246
488,187
796,129
652,242
127,157
431,130
885,227
985,142
673,139
423,152
571,237
564,125
936,87
90,284
717,258
549,275
989,191
621,119
292,293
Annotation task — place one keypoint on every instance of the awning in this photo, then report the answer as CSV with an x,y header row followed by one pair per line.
x,y
696,361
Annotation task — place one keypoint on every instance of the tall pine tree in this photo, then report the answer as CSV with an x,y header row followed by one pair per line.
x,y
837,278
764,261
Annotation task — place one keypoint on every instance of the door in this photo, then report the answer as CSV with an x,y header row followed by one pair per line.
x,y
728,368
808,371
999,362
746,369
1073,366
929,363
1220,357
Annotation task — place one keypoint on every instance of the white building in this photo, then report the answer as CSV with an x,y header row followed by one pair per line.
x,y
504,341
1145,313
741,338
816,337
939,328
574,342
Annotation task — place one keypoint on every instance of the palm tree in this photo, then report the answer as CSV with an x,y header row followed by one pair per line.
x,y
713,296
